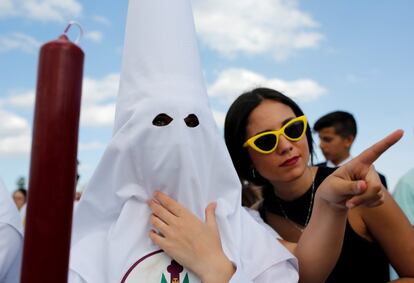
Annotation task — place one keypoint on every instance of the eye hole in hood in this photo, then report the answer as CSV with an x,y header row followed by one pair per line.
x,y
162,120
191,121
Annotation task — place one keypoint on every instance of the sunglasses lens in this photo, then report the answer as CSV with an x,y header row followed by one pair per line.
x,y
266,142
295,130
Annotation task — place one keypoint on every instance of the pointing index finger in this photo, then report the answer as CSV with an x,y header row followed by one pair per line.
x,y
372,153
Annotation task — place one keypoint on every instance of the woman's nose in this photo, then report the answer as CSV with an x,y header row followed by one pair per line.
x,y
284,146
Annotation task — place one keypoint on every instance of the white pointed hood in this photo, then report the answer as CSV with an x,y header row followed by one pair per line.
x,y
185,159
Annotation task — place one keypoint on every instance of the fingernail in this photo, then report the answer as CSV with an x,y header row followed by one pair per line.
x,y
360,187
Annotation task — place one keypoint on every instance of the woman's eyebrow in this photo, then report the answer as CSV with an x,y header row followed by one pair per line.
x,y
287,120
283,123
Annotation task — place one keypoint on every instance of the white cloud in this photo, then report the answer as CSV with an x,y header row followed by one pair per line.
x,y
11,124
232,82
98,100
6,8
98,115
19,41
98,110
95,90
278,27
41,10
21,99
98,96
91,146
15,145
101,20
14,133
95,36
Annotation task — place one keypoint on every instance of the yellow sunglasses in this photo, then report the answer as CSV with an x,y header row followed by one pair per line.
x,y
267,142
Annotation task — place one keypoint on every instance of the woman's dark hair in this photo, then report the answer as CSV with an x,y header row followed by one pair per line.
x,y
235,129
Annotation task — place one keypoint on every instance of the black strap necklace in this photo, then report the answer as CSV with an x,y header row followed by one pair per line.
x,y
300,228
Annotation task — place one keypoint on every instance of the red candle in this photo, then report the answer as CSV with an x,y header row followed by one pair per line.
x,y
52,177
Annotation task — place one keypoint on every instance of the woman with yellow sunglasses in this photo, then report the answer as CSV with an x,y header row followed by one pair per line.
x,y
264,133
268,130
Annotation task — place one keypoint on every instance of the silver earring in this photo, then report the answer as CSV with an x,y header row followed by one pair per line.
x,y
254,174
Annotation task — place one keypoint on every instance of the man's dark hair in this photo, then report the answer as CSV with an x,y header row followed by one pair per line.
x,y
343,123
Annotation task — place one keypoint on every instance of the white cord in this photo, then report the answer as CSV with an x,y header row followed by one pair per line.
x,y
71,23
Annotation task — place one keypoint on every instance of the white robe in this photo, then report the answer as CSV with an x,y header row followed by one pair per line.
x,y
161,74
284,271
11,238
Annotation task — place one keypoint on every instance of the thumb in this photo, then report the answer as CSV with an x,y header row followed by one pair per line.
x,y
211,214
339,191
349,188
357,188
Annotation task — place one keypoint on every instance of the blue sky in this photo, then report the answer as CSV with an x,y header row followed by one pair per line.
x,y
327,55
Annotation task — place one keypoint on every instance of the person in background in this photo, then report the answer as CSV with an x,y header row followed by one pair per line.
x,y
78,192
337,131
20,197
404,194
20,194
78,195
11,238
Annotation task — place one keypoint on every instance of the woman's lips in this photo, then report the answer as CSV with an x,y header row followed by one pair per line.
x,y
290,161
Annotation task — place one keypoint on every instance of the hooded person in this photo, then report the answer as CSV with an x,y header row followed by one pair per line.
x,y
164,138
11,238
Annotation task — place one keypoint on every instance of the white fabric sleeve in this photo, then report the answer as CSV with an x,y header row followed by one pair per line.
x,y
10,253
74,277
283,272
240,277
256,216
